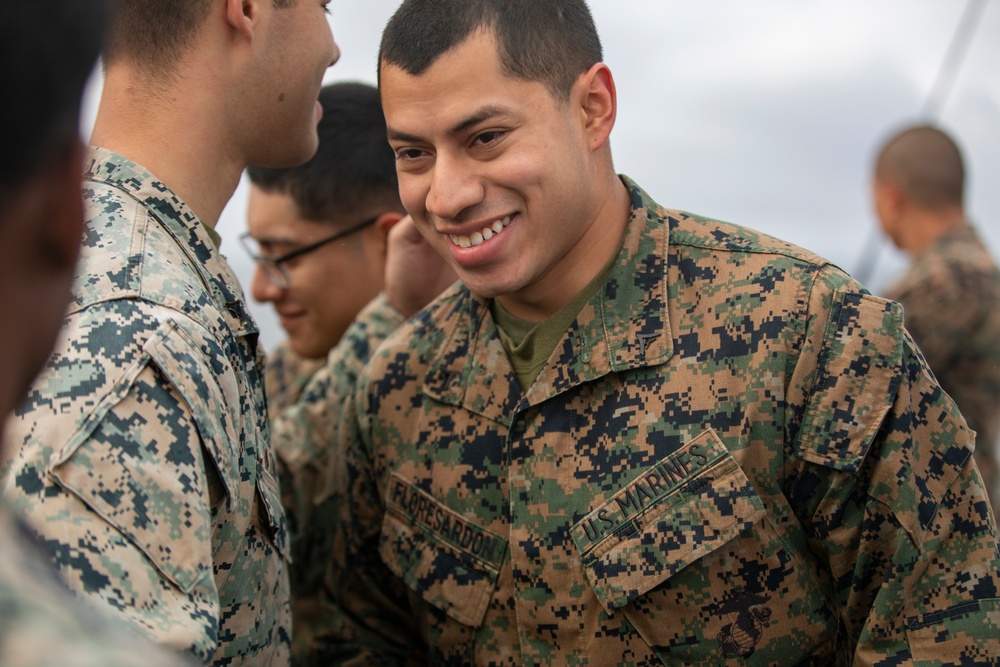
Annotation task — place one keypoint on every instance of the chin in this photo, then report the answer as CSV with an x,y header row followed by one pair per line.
x,y
307,349
488,289
291,154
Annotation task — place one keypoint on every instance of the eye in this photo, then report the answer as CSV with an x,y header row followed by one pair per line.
x,y
488,137
404,154
326,6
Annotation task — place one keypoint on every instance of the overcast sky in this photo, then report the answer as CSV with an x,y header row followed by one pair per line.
x,y
763,113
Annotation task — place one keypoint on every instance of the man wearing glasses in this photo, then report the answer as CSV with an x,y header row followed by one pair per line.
x,y
318,231
320,234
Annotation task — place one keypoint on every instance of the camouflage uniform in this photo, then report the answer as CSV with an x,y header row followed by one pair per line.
x,y
141,455
734,456
42,625
306,400
951,305
285,376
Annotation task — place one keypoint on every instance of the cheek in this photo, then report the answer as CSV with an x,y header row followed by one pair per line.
x,y
524,171
413,195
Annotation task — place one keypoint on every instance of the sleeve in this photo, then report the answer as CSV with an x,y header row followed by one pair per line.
x,y
302,434
888,490
43,624
126,450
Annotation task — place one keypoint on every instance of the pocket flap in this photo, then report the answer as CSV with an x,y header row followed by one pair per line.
x,y
138,469
450,562
214,406
679,510
856,380
268,487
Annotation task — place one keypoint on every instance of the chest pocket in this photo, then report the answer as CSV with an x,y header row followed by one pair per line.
x,y
135,467
449,562
688,555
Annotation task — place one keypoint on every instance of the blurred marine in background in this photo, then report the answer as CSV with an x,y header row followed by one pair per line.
x,y
319,234
328,237
951,290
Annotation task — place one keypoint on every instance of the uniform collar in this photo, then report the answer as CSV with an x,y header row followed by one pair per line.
x,y
192,236
961,233
624,326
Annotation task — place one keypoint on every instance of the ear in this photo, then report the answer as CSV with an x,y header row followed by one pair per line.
x,y
598,103
242,16
383,225
889,200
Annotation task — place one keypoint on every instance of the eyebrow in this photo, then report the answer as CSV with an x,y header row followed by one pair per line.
x,y
463,126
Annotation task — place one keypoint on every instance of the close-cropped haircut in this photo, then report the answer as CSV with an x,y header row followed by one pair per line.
x,y
926,164
354,169
549,41
50,49
153,34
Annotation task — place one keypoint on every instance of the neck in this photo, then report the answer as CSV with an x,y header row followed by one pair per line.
x,y
923,228
583,262
174,132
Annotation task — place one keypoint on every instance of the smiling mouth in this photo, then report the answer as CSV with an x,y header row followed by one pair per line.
x,y
484,234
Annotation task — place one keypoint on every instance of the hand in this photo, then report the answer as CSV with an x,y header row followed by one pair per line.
x,y
414,272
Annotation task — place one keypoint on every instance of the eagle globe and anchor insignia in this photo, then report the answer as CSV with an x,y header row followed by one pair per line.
x,y
740,637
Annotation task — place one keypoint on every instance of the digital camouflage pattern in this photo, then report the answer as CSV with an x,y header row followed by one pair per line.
x,y
42,624
734,456
951,305
141,456
306,400
285,376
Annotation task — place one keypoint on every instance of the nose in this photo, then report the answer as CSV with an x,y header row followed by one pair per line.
x,y
334,47
261,287
336,53
453,188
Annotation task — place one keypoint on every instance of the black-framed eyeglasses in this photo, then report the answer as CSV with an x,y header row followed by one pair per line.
x,y
274,266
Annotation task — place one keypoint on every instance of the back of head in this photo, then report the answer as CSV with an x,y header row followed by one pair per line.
x,y
50,49
152,34
550,41
926,164
353,169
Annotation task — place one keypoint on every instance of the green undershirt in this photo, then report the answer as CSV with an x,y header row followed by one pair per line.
x,y
530,344
214,235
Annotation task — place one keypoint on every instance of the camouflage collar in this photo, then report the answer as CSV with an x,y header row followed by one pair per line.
x,y
625,325
177,218
961,234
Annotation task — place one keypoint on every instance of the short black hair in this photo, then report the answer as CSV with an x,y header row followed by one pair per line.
x,y
926,163
550,41
154,33
50,50
353,169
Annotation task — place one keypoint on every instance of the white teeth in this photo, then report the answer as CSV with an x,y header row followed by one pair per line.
x,y
485,234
